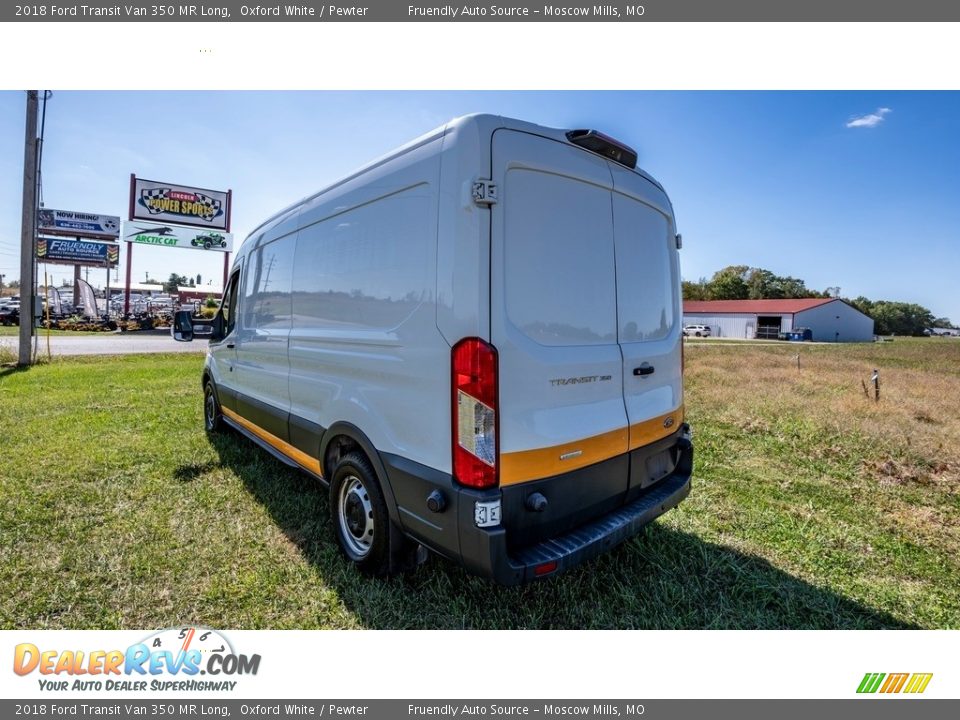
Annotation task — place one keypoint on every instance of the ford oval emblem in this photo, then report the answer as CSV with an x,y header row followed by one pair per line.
x,y
668,422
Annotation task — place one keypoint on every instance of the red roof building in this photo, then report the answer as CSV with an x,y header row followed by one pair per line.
x,y
829,319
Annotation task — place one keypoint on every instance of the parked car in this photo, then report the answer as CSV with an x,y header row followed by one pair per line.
x,y
696,330
10,315
475,342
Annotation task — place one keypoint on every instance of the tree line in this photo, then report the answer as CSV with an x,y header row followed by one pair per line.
x,y
741,282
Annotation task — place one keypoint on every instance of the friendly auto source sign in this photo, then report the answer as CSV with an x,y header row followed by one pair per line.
x,y
77,252
171,236
69,223
165,202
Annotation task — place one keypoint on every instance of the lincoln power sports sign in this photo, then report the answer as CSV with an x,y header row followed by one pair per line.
x,y
77,252
163,202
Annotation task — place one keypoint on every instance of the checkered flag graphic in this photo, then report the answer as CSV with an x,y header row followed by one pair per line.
x,y
147,195
212,207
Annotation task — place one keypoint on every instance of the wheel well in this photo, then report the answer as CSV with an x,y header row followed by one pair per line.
x,y
204,378
338,447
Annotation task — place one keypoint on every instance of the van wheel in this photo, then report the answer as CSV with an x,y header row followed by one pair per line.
x,y
358,514
212,418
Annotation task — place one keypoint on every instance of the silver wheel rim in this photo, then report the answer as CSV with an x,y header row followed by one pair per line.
x,y
210,405
356,516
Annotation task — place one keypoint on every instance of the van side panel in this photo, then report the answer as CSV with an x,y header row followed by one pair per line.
x,y
463,232
364,345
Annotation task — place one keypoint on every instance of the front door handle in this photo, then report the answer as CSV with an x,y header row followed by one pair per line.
x,y
643,370
231,346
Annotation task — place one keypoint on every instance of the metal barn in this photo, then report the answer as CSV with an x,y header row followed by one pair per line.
x,y
830,319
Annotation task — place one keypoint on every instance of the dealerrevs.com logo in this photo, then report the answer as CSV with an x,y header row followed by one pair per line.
x,y
172,659
910,683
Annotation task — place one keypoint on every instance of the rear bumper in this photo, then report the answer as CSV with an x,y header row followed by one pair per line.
x,y
486,552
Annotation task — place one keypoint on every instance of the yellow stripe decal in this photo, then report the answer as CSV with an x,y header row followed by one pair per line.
x,y
518,467
281,446
649,431
526,465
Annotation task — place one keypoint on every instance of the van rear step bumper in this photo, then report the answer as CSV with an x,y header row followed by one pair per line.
x,y
595,538
484,551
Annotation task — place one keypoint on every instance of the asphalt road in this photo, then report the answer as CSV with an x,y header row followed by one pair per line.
x,y
111,344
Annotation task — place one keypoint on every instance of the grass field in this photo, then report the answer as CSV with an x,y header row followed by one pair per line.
x,y
813,507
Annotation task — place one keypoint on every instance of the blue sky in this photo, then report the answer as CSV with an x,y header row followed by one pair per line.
x,y
859,190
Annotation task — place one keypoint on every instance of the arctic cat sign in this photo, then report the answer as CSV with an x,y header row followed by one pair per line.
x,y
181,204
179,237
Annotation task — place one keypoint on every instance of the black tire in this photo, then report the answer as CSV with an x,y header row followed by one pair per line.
x,y
212,417
358,515
698,334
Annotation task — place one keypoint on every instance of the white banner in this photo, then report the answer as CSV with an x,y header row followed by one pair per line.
x,y
828,664
170,236
68,223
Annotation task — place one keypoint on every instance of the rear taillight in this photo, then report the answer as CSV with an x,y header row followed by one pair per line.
x,y
475,451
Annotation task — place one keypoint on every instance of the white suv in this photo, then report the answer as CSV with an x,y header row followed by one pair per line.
x,y
696,330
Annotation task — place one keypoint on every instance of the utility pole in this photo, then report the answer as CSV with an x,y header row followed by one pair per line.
x,y
27,226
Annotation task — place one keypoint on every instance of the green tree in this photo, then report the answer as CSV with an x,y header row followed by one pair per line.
x,y
694,290
173,282
899,318
729,284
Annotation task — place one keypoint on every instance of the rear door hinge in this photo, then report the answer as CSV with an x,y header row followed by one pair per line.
x,y
484,192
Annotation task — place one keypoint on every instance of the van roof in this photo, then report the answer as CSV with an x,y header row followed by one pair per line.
x,y
485,122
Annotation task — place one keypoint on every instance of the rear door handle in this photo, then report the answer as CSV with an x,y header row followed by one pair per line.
x,y
643,370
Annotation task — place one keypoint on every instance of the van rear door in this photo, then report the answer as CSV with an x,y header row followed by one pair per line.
x,y
649,321
554,324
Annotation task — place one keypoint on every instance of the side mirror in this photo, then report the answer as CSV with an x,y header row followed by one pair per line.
x,y
182,329
217,329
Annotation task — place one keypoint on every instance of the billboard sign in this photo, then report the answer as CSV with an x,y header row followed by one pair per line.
x,y
164,202
146,233
68,223
77,252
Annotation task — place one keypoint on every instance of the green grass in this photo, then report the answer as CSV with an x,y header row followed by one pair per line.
x,y
812,508
14,331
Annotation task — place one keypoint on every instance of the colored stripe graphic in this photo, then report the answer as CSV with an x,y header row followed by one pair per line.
x,y
918,683
895,683
870,682
281,446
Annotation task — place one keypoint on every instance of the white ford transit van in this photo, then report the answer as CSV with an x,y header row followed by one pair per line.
x,y
476,341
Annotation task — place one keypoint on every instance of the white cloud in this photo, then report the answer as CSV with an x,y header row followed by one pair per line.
x,y
871,120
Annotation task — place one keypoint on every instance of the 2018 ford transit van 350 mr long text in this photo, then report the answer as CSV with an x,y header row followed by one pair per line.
x,y
476,341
